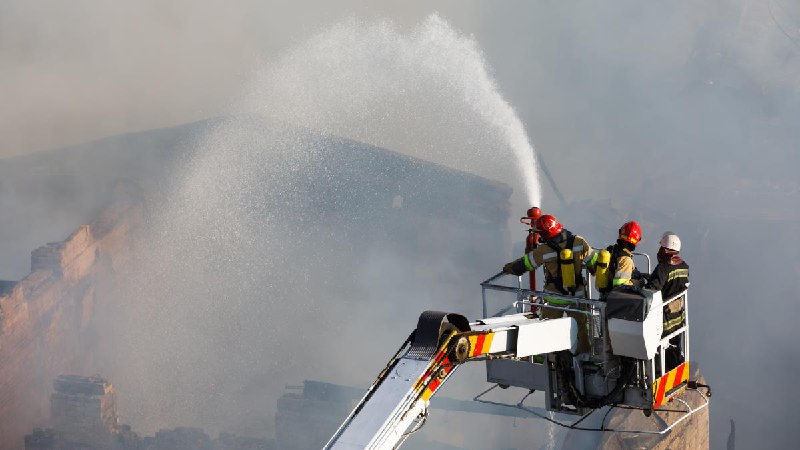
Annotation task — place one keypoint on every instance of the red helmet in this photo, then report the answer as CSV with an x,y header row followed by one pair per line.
x,y
530,216
548,226
630,232
534,213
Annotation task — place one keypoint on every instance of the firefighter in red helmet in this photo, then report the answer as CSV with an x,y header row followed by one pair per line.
x,y
621,269
555,239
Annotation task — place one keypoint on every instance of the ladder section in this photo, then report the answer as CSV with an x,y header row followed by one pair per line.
x,y
384,421
401,392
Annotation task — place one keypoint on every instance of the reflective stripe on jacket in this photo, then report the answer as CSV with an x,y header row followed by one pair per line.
x,y
544,255
670,279
623,267
623,276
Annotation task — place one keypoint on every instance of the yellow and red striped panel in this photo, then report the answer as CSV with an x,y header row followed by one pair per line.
x,y
479,344
439,366
436,381
669,385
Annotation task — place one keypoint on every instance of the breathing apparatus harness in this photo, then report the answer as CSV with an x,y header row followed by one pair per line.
x,y
565,274
611,272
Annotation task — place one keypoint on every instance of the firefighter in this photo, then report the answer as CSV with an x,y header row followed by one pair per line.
x,y
621,269
561,253
671,277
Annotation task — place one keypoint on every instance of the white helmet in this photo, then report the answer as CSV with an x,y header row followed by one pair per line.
x,y
671,241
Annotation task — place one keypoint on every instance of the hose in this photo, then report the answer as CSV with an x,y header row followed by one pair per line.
x,y
694,384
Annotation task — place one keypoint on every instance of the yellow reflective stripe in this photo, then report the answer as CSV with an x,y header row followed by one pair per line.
x,y
619,281
679,273
527,262
674,322
557,301
593,259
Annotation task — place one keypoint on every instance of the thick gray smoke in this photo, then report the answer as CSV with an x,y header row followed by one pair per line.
x,y
681,114
239,289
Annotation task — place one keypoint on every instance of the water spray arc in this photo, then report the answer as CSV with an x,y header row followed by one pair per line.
x,y
427,93
232,247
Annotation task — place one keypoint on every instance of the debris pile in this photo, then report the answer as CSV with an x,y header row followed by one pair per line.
x,y
84,416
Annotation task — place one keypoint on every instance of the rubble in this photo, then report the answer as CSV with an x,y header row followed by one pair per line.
x,y
84,417
40,439
83,411
308,419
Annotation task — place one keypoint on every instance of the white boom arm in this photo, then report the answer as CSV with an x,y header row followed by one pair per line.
x,y
396,404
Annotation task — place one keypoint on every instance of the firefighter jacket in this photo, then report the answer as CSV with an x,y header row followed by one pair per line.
x,y
671,275
624,268
546,254
621,270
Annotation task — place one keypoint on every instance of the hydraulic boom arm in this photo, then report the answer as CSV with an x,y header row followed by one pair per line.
x,y
395,406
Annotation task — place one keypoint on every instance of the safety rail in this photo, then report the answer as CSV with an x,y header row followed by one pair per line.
x,y
649,268
595,310
682,330
666,426
522,293
584,273
669,366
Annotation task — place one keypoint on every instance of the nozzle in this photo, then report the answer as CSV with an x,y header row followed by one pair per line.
x,y
531,215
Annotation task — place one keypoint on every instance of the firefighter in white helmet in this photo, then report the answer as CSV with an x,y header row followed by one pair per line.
x,y
671,277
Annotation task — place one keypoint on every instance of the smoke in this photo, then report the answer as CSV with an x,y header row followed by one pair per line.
x,y
239,288
61,84
679,114
682,116
372,83
71,73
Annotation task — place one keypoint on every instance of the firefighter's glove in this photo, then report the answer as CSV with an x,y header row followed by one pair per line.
x,y
515,267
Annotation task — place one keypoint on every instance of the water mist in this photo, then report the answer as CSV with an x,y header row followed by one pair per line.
x,y
427,93
237,287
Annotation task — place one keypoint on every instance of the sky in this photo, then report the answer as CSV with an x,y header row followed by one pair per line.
x,y
682,114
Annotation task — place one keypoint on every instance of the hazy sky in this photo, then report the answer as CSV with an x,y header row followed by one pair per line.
x,y
70,72
684,112
74,71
